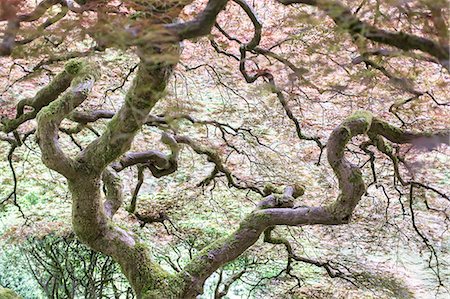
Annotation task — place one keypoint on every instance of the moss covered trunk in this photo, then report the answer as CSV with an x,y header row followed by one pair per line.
x,y
94,228
92,210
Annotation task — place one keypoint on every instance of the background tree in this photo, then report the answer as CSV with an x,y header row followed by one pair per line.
x,y
310,58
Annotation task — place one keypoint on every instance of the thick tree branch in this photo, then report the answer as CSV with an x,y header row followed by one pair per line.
x,y
43,97
148,87
351,187
84,117
256,24
39,30
51,116
159,164
202,24
345,19
400,136
9,37
38,12
90,216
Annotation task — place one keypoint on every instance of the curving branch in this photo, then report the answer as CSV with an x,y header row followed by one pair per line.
x,y
274,88
291,116
38,12
224,128
202,24
346,20
279,93
91,217
147,88
254,42
43,97
392,53
40,29
351,187
50,117
218,294
158,163
400,136
153,157
219,165
13,25
252,46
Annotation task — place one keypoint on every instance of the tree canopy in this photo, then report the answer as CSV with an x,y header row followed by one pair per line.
x,y
270,121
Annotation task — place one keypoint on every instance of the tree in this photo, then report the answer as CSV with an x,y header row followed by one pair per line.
x,y
152,31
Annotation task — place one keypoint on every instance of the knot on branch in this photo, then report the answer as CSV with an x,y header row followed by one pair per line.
x,y
74,66
276,199
151,218
359,122
297,190
84,71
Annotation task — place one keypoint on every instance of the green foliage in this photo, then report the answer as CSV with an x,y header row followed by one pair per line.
x,y
15,274
60,267
75,270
